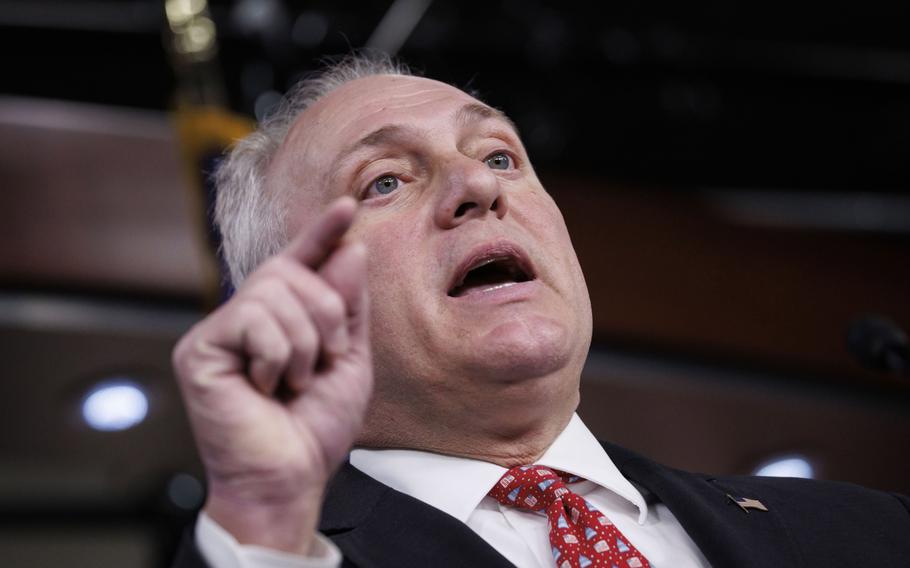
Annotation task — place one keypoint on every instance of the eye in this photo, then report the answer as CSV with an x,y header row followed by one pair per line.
x,y
384,185
499,161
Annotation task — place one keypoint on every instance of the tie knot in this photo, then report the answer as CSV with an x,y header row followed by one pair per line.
x,y
580,535
531,487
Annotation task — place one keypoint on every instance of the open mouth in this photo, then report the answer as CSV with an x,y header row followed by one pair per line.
x,y
495,270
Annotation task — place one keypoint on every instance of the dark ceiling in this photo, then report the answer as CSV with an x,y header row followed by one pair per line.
x,y
732,95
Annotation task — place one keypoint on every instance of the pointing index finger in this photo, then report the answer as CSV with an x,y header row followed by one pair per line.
x,y
314,244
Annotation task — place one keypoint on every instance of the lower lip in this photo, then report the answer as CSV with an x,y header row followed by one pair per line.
x,y
500,293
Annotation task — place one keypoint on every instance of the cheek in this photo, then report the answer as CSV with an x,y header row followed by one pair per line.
x,y
395,235
547,220
384,266
536,207
401,309
393,271
542,217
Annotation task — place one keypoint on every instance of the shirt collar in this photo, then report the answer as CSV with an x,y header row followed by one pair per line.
x,y
577,451
458,485
452,484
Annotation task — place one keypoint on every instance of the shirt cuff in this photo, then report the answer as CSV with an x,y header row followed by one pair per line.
x,y
221,550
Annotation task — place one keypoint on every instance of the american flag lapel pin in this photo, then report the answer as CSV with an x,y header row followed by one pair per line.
x,y
746,503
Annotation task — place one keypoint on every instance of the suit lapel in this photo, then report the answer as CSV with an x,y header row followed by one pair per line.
x,y
374,525
726,535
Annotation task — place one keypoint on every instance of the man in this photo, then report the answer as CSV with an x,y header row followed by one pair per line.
x,y
389,225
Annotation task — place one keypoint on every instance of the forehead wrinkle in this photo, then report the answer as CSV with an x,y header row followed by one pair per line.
x,y
383,136
397,96
299,147
386,135
392,99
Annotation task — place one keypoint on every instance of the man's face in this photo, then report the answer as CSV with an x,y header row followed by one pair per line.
x,y
474,284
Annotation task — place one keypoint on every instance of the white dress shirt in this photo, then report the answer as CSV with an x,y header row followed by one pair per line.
x,y
221,550
519,535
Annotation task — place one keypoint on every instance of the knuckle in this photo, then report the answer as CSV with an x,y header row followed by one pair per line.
x,y
278,352
248,309
283,264
186,351
305,340
330,305
191,368
266,290
277,267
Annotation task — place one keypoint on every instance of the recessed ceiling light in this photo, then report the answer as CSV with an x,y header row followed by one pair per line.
x,y
115,404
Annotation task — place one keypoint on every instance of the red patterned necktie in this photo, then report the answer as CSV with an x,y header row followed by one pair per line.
x,y
580,535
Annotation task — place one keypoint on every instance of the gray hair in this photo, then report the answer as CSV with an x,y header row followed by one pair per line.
x,y
253,220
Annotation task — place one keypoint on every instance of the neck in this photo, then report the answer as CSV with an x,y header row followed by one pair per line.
x,y
506,438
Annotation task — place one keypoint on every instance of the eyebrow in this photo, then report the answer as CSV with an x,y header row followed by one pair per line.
x,y
467,115
477,112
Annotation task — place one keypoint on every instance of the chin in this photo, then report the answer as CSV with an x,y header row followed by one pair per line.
x,y
523,348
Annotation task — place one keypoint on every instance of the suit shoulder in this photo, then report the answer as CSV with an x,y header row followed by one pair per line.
x,y
820,497
828,522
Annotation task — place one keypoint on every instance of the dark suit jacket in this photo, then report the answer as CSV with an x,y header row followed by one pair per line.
x,y
808,523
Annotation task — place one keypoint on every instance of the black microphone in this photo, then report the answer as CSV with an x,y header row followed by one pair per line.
x,y
879,344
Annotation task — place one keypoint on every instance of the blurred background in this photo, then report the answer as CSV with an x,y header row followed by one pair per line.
x,y
735,179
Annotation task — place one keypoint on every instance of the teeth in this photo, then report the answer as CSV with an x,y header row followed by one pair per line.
x,y
475,267
484,263
512,272
499,286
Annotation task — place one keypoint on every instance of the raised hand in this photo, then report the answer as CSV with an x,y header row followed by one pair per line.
x,y
276,384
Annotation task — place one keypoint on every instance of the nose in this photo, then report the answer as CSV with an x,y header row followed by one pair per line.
x,y
471,191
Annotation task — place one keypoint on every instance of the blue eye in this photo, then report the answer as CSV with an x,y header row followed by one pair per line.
x,y
385,184
499,161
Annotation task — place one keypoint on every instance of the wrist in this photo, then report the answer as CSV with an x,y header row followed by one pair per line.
x,y
287,525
